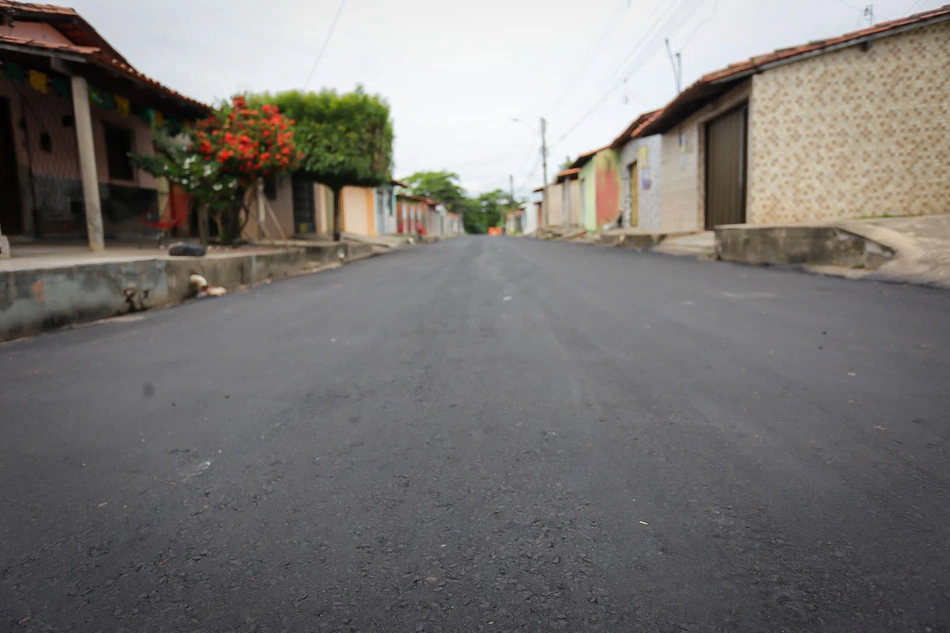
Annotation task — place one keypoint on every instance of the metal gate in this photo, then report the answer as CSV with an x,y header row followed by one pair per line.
x,y
304,209
726,168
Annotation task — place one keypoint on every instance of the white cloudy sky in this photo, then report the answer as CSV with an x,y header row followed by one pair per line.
x,y
456,72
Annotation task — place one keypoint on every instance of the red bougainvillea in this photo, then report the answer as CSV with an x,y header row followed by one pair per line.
x,y
248,143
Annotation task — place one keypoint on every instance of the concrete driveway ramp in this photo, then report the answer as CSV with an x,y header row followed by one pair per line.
x,y
812,245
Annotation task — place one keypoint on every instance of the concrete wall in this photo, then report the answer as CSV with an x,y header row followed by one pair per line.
x,y
554,205
682,165
33,301
854,132
646,152
529,218
587,182
283,208
607,194
573,202
359,210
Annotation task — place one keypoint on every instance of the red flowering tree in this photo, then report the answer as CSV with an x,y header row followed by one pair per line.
x,y
244,145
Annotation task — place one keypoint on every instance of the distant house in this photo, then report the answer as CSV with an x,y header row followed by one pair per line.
x,y
530,214
411,214
599,178
849,126
639,174
513,224
572,210
71,110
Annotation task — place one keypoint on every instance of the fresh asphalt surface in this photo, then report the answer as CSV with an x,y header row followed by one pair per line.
x,y
487,434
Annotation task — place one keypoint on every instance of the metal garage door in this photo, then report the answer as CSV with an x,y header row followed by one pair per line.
x,y
726,168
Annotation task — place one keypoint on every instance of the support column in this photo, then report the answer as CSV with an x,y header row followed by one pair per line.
x,y
87,163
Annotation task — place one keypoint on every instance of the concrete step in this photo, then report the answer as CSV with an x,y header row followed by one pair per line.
x,y
701,245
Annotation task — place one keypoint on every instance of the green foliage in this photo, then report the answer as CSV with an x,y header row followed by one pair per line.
x,y
478,213
438,185
568,161
178,160
485,210
346,139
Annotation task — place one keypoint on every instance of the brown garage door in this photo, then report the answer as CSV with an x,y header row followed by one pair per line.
x,y
726,168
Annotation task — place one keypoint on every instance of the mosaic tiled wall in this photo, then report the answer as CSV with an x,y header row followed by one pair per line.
x,y
854,132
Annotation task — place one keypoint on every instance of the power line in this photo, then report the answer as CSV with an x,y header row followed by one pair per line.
x,y
631,56
701,25
585,61
914,6
326,41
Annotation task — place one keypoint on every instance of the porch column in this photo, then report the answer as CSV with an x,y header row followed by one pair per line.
x,y
87,163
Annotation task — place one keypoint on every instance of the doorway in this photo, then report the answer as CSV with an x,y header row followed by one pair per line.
x,y
303,203
11,213
634,194
726,145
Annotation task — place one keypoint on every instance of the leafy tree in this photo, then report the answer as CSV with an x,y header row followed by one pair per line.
x,y
568,161
485,210
347,139
227,153
438,185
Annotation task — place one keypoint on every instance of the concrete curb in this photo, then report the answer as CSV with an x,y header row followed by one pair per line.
x,y
39,300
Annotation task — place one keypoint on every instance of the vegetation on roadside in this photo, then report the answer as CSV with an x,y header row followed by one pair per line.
x,y
346,139
221,158
478,213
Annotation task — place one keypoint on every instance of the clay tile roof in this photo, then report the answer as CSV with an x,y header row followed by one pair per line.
x,y
87,43
714,83
584,158
65,20
568,174
82,51
635,126
399,183
538,190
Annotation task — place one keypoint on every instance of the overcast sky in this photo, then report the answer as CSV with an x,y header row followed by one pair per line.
x,y
456,73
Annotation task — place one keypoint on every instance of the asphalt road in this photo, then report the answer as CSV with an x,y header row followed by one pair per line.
x,y
487,434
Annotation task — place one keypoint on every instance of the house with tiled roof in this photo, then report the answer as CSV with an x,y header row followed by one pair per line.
x,y
71,110
638,158
850,126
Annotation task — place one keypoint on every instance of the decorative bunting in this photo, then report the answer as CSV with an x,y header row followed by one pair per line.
x,y
61,87
39,81
95,97
13,71
123,106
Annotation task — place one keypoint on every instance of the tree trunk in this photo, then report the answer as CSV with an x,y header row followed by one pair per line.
x,y
203,223
337,216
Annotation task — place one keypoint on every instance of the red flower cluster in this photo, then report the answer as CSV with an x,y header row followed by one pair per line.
x,y
249,143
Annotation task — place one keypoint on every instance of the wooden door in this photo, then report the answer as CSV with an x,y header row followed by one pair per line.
x,y
635,194
11,214
726,168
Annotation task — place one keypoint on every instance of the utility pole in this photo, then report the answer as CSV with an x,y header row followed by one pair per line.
x,y
544,149
677,63
544,161
511,190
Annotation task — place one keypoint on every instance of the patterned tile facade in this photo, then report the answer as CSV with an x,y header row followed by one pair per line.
x,y
854,132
